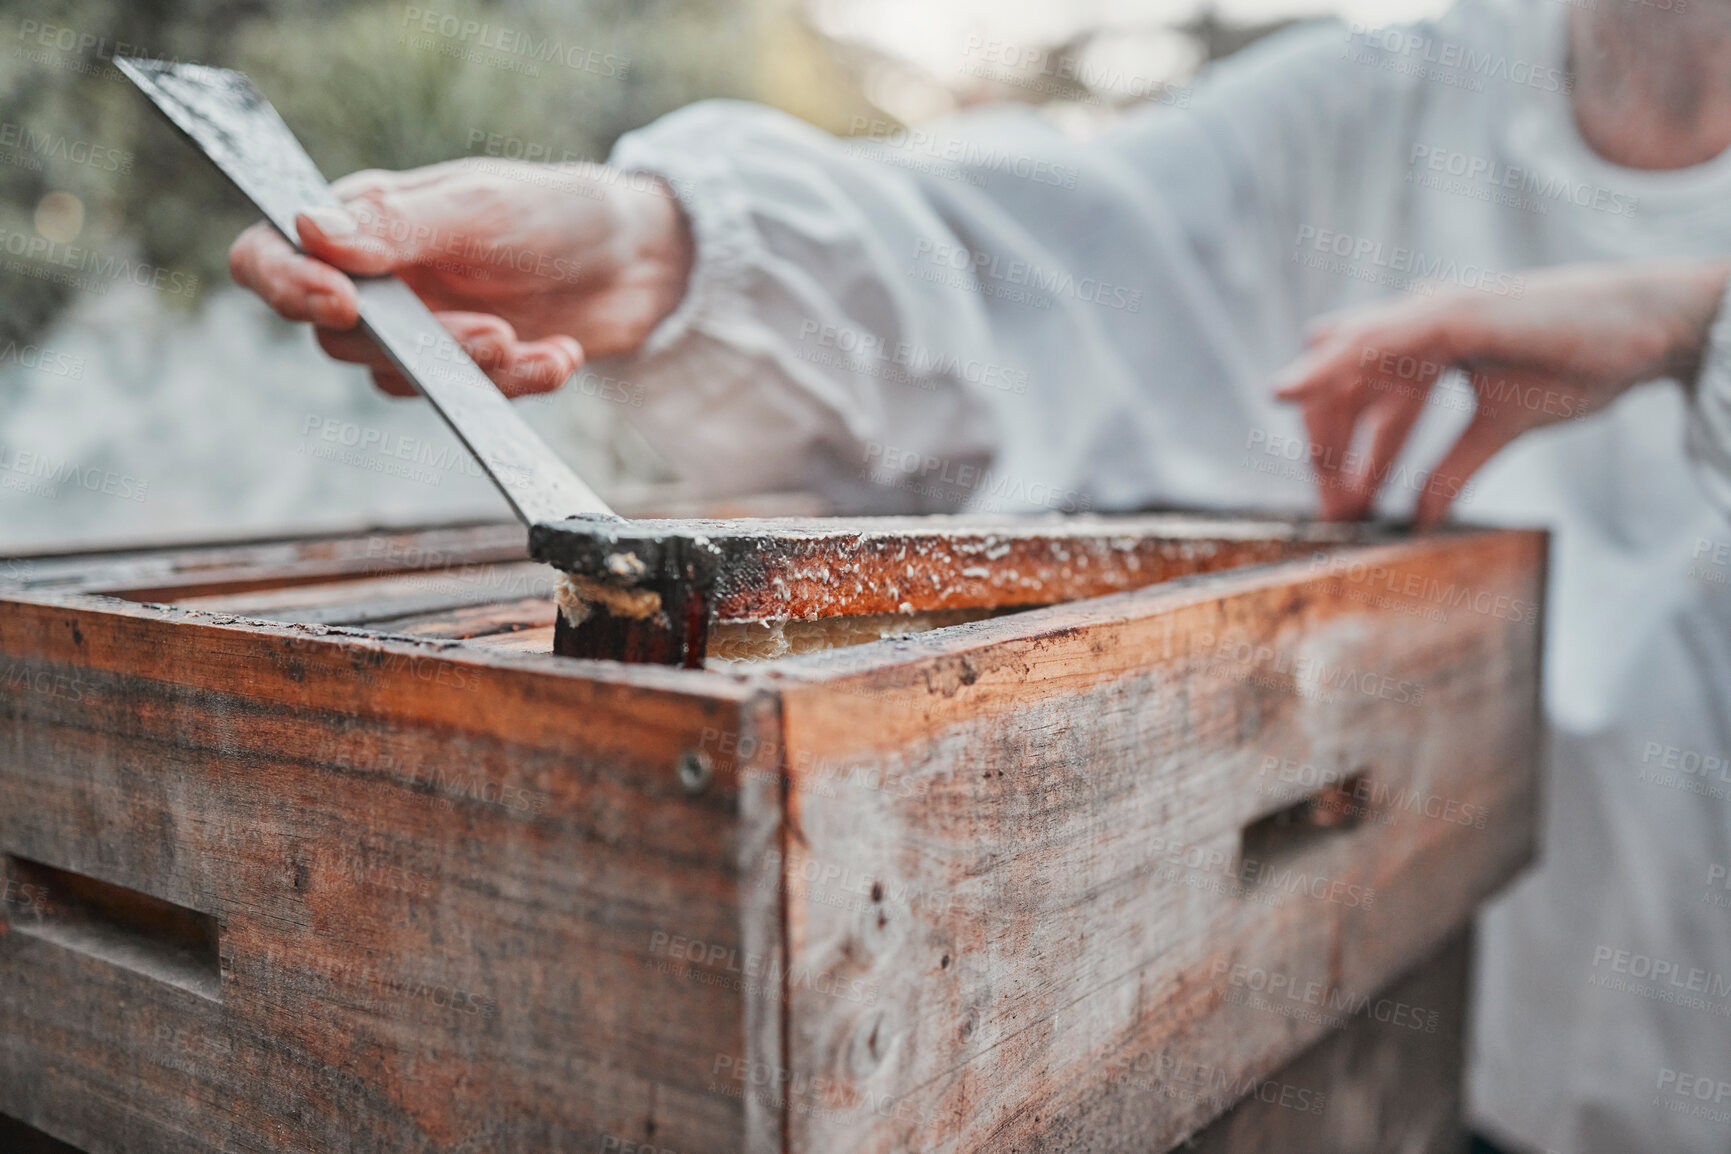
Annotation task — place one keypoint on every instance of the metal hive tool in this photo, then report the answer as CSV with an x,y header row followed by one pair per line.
x,y
232,123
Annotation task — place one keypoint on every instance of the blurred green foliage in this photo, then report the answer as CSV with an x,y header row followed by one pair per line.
x,y
363,86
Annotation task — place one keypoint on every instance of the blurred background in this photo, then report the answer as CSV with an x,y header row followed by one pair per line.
x,y
144,398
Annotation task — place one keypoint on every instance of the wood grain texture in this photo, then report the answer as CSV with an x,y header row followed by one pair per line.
x,y
439,875
1364,1089
979,889
382,598
806,569
718,572
1024,835
530,616
172,572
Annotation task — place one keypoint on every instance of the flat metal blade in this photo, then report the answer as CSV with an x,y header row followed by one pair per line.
x,y
232,123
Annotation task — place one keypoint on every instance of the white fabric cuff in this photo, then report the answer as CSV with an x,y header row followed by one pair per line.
x,y
1709,434
722,234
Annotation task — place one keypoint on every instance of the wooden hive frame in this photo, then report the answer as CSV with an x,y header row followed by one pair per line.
x,y
654,589
972,823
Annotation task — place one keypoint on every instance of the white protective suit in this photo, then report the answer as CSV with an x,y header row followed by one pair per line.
x,y
1007,319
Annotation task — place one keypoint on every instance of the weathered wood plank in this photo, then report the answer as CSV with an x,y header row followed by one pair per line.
x,y
530,615
1368,1088
779,569
374,600
1025,835
440,878
533,640
698,573
168,573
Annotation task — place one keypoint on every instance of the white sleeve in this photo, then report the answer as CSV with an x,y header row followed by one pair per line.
x,y
1709,435
988,315
757,381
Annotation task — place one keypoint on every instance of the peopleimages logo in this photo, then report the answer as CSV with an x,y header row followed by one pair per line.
x,y
43,360
919,364
613,1144
518,48
1368,796
1661,972
912,471
742,969
1426,587
516,148
810,1095
1055,70
43,476
17,676
64,262
1410,49
1397,266
1218,1086
1330,1003
992,273
1687,762
1428,160
1267,883
1400,374
977,159
1701,1087
91,49
1301,673
37,147
467,250
1711,561
383,450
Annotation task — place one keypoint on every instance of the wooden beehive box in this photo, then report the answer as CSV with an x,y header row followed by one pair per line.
x,y
314,846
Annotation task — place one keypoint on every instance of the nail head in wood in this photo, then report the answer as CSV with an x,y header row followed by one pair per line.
x,y
696,771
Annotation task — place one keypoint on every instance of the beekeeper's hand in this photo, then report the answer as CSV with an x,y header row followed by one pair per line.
x,y
1577,337
532,267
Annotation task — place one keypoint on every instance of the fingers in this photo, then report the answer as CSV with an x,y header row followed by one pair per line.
x,y
517,367
392,221
1318,370
1510,403
367,235
1333,393
375,232
399,222
1342,386
1400,341
297,287
357,348
1331,422
1392,421
368,182
335,236
1374,365
540,366
371,180
1483,437
381,227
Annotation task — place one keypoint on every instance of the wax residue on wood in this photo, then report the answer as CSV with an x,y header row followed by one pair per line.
x,y
732,642
577,596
